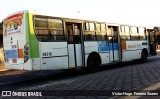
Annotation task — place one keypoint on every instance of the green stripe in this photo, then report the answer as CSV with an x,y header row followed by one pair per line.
x,y
31,38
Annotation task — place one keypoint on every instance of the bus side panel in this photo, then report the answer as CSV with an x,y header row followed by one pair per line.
x,y
54,55
89,48
104,57
125,53
130,50
36,63
133,49
138,54
103,49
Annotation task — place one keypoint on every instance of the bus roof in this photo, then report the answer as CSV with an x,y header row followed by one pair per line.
x,y
70,19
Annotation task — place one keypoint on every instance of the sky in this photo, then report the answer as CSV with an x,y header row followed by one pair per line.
x,y
131,12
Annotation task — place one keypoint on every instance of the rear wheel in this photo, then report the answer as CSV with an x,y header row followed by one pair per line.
x,y
144,56
93,62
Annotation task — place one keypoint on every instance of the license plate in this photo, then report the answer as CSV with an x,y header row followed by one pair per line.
x,y
14,60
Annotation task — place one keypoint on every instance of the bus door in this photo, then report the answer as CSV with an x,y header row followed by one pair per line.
x,y
113,43
73,31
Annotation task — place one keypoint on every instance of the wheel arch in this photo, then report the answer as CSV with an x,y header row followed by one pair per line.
x,y
94,53
145,50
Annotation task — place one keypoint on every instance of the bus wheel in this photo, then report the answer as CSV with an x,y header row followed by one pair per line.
x,y
93,62
144,56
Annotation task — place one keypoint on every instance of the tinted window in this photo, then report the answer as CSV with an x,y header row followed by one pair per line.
x,y
89,32
55,24
101,32
41,23
49,29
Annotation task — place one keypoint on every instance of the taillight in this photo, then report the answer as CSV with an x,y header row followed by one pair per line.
x,y
20,53
26,56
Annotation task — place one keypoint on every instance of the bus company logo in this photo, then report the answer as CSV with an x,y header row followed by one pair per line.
x,y
6,93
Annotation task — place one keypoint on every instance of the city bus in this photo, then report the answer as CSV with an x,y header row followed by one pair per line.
x,y
42,42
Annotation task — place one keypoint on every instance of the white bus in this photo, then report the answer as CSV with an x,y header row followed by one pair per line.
x,y
41,42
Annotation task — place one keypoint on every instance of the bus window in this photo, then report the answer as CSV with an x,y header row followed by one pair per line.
x,y
125,35
69,30
141,30
134,33
77,33
112,34
101,32
142,33
48,29
103,27
86,26
56,29
92,27
55,24
89,34
126,29
56,35
98,27
122,29
41,23
42,34
115,34
134,30
109,33
115,31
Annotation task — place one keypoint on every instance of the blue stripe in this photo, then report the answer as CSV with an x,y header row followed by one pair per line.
x,y
103,46
115,46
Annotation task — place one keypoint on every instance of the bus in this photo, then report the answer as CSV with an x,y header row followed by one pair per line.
x,y
40,42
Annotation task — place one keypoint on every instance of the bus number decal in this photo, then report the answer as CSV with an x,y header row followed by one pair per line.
x,y
47,54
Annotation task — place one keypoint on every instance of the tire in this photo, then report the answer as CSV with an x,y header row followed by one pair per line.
x,y
93,63
144,56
